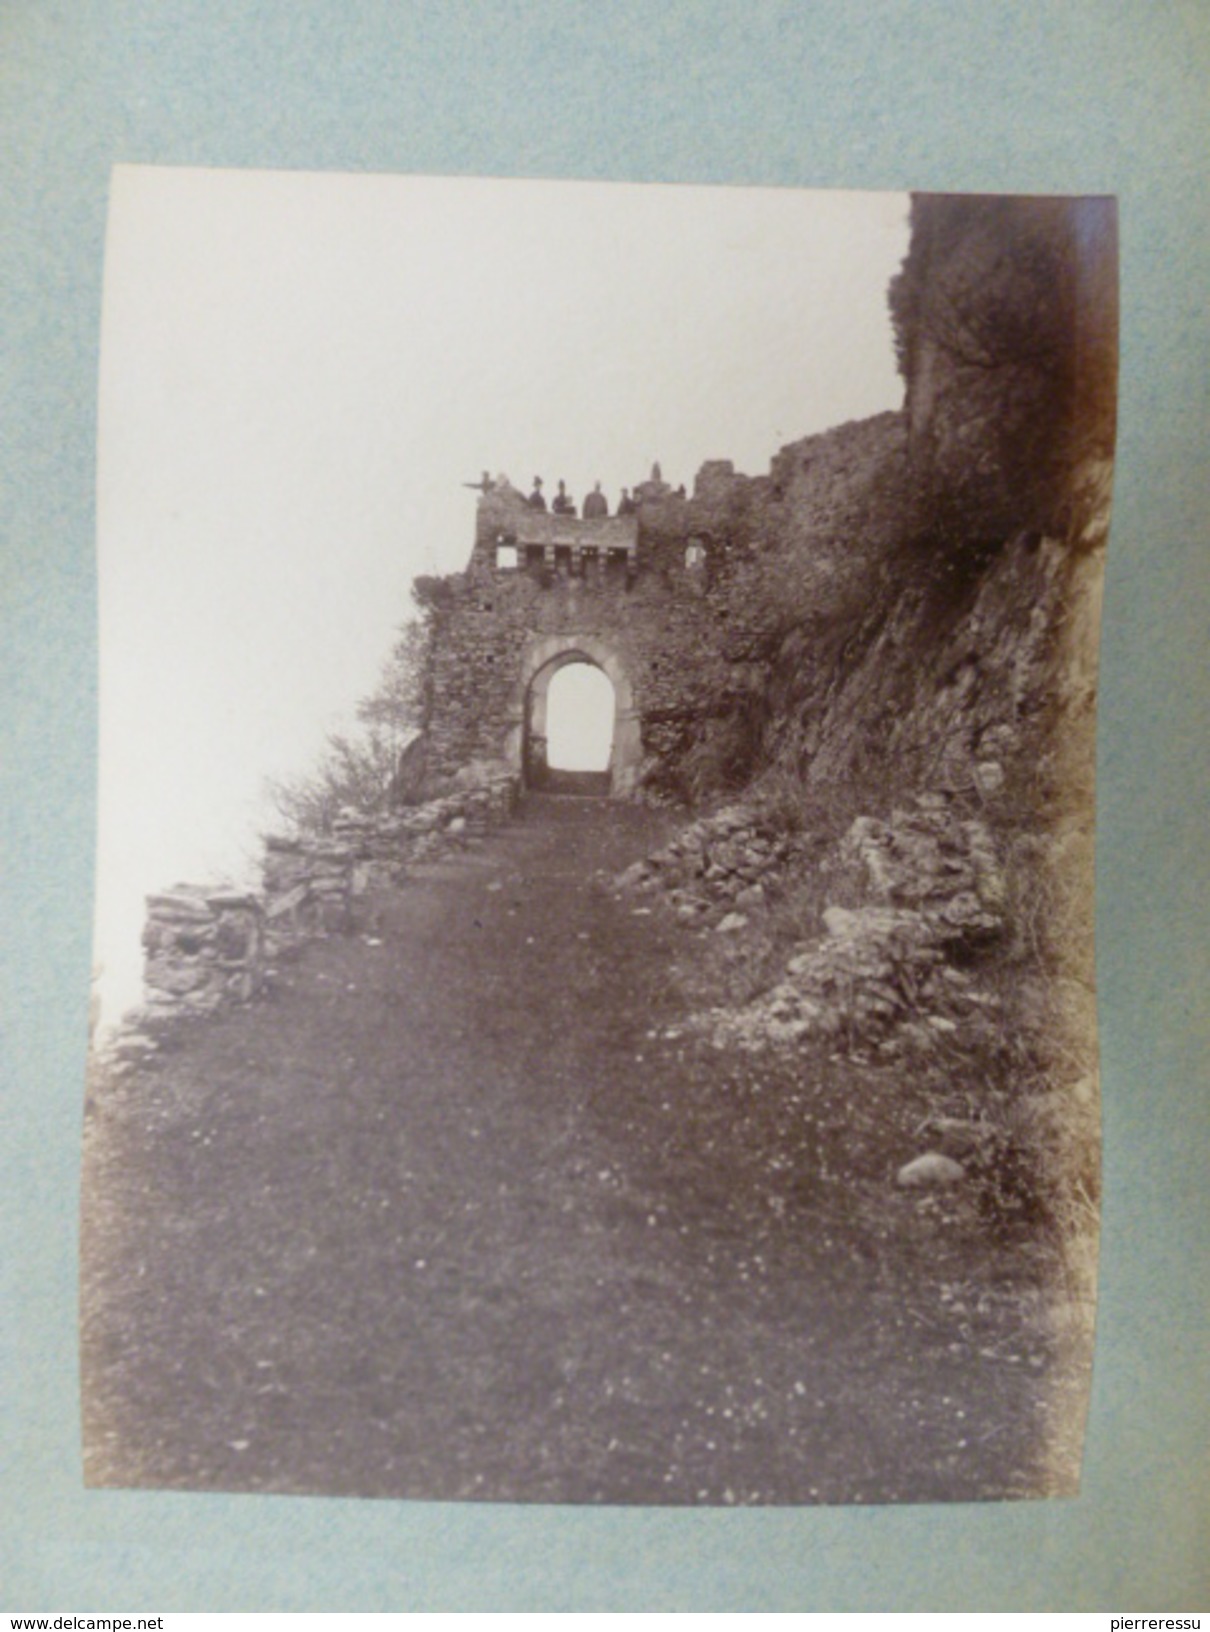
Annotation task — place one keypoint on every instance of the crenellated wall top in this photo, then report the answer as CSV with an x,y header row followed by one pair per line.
x,y
506,518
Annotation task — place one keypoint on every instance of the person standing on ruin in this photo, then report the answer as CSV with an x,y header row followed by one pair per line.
x,y
563,506
626,505
595,505
537,499
655,487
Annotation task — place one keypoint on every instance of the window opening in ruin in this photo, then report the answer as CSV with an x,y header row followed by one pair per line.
x,y
506,557
579,719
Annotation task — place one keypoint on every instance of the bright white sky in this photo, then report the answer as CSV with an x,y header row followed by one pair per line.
x,y
579,719
298,371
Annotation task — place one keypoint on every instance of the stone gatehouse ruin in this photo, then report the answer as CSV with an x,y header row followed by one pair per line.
x,y
649,598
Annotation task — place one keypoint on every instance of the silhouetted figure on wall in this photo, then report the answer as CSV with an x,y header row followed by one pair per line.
x,y
537,499
626,505
654,488
595,505
562,505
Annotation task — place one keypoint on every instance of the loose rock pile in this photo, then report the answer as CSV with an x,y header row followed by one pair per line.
x,y
929,857
884,973
718,869
880,978
929,892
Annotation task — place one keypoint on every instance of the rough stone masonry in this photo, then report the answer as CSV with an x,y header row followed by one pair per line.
x,y
647,598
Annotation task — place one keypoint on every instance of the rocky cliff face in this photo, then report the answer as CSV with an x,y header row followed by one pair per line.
x,y
918,592
936,574
1006,318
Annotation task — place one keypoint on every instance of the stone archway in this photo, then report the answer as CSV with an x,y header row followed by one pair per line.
x,y
526,745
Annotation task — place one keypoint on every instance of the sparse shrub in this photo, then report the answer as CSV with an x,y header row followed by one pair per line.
x,y
780,797
357,769
724,755
396,706
354,772
790,803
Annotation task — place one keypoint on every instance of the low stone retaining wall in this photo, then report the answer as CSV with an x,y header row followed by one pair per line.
x,y
203,948
209,947
311,885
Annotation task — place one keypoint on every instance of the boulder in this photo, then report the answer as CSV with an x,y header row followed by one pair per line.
x,y
989,776
928,1170
407,785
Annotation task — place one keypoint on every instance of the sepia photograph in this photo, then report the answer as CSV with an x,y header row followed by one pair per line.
x,y
593,993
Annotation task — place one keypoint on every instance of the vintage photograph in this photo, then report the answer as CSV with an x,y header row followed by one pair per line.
x,y
593,988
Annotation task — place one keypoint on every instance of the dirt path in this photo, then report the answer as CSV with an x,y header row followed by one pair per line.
x,y
461,1211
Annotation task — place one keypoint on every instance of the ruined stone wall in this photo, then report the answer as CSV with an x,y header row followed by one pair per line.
x,y
884,604
207,948
312,883
204,948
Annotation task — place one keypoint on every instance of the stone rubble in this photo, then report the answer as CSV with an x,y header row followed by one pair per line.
x,y
718,868
930,858
883,974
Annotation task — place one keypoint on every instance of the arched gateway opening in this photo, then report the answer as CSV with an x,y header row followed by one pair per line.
x,y
576,731
569,727
579,719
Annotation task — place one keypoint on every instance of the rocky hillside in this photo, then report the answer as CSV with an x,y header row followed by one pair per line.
x,y
906,879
